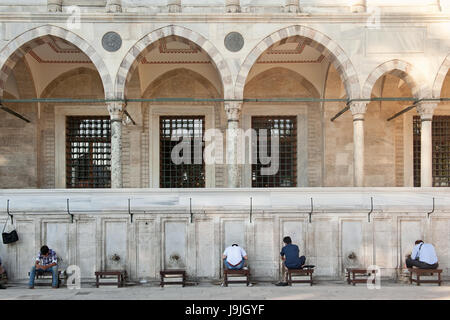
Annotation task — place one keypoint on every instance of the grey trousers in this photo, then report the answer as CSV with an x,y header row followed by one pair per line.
x,y
419,264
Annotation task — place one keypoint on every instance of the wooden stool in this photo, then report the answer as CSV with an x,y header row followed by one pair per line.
x,y
121,275
424,272
305,272
47,275
241,272
171,274
363,274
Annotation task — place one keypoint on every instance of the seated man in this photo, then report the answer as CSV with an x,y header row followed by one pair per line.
x,y
2,276
290,255
45,261
423,256
234,257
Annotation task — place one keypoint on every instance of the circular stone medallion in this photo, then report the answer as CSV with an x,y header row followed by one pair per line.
x,y
111,41
234,41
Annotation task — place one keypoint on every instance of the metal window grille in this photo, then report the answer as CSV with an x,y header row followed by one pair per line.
x,y
88,152
188,171
441,151
286,129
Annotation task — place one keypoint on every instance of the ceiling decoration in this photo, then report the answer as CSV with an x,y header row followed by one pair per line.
x,y
57,50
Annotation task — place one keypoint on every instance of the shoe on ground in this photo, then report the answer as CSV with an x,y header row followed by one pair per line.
x,y
2,286
281,284
30,287
54,287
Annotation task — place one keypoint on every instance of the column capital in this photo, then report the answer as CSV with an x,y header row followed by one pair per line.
x,y
116,109
113,6
233,6
426,110
358,109
233,110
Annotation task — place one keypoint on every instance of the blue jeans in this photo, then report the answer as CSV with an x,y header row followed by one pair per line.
x,y
230,267
54,271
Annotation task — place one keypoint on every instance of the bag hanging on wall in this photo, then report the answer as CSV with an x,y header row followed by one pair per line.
x,y
9,237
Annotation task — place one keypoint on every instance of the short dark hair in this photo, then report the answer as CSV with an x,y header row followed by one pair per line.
x,y
418,241
234,245
287,240
44,250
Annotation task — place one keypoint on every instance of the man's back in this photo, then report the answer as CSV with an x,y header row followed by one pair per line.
x,y
425,252
291,252
234,254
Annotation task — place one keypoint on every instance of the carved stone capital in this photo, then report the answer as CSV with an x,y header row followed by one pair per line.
x,y
54,5
113,6
358,6
116,110
292,6
426,110
233,110
233,6
174,6
358,109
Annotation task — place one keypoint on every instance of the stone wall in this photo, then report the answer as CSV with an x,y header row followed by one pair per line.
x,y
162,236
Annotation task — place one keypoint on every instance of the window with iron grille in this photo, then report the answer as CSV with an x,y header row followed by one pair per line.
x,y
286,129
190,173
441,150
88,152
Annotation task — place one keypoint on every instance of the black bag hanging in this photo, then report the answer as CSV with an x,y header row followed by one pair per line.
x,y
9,237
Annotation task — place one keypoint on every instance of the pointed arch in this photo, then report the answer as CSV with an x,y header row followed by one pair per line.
x,y
17,48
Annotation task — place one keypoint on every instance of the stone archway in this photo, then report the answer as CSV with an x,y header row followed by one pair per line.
x,y
325,45
147,43
400,69
24,43
440,77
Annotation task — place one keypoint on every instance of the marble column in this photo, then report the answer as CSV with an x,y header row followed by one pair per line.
x,y
113,6
54,5
233,111
358,109
115,110
233,6
425,110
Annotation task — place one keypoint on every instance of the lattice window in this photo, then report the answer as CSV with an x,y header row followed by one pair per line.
x,y
441,151
191,172
88,152
286,129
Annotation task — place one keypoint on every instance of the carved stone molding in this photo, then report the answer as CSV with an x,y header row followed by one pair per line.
x,y
358,6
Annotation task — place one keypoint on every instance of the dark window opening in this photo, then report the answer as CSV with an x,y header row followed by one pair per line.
x,y
187,174
286,129
88,152
441,150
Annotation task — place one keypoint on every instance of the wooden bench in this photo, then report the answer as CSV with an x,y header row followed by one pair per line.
x,y
306,271
359,275
172,274
234,273
424,272
47,274
120,274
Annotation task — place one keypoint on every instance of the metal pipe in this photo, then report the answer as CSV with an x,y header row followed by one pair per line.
x,y
432,211
371,208
9,213
6,109
312,209
68,211
129,211
251,209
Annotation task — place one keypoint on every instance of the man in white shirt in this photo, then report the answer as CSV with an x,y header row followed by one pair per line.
x,y
423,256
234,257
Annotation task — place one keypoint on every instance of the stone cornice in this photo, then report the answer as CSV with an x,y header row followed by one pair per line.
x,y
126,17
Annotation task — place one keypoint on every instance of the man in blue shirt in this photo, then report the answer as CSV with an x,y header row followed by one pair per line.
x,y
423,256
290,255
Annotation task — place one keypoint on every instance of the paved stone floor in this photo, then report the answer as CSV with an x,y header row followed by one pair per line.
x,y
205,291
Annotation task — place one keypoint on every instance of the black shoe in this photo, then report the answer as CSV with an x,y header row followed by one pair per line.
x,y
282,284
2,286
